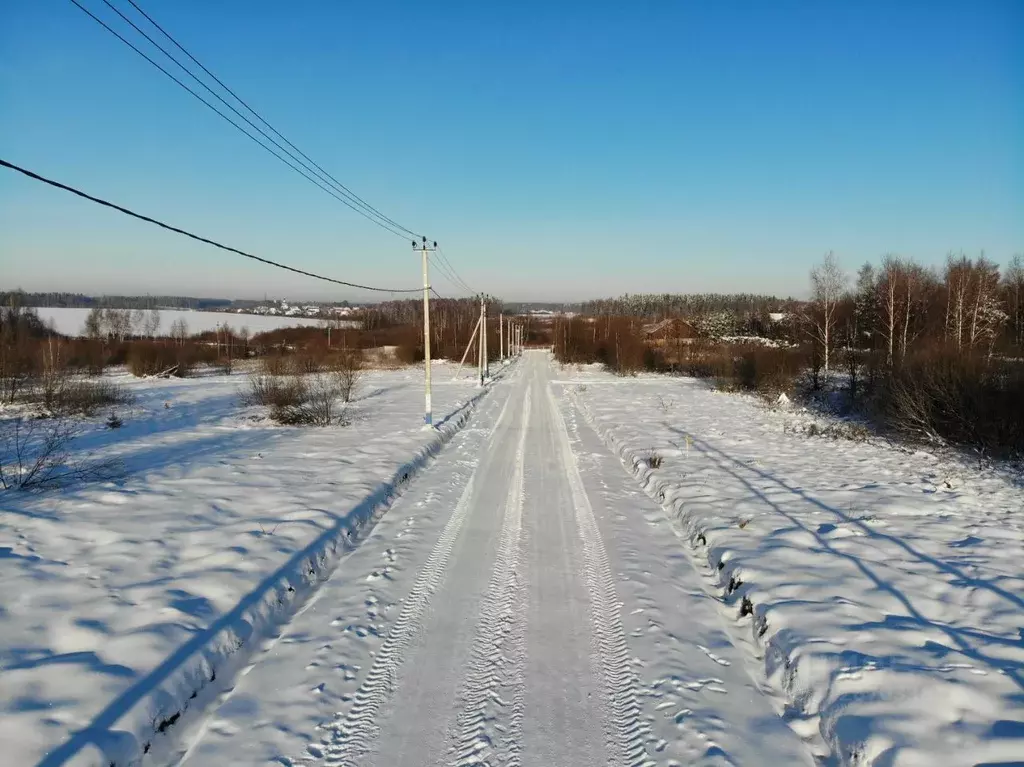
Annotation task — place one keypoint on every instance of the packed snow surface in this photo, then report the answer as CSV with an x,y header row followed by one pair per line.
x,y
583,570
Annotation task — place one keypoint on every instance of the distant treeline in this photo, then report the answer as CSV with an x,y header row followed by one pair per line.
x,y
82,301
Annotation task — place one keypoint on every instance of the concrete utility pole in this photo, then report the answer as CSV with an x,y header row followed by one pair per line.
x,y
472,340
487,355
428,415
480,349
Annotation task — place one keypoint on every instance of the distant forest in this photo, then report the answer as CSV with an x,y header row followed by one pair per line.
x,y
81,301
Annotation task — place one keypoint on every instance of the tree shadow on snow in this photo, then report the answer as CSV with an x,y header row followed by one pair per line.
x,y
958,636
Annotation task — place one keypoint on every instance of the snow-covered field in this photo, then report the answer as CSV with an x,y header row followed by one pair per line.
x,y
884,587
121,600
505,592
71,322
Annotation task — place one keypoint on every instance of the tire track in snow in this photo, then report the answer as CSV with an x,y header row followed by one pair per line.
x,y
354,733
489,726
625,729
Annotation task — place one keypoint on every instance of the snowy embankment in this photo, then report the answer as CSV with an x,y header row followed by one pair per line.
x,y
71,322
124,601
883,587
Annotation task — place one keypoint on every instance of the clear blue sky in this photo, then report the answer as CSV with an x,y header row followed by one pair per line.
x,y
557,150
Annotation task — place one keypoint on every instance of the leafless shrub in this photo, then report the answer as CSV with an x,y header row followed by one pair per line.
x,y
769,372
152,358
347,370
653,460
275,391
274,365
319,407
222,366
947,398
306,363
854,432
59,393
35,455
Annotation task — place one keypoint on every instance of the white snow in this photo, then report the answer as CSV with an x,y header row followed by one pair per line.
x,y
886,584
523,603
120,599
71,321
772,599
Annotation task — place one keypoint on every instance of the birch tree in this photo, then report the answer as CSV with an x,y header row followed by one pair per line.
x,y
828,283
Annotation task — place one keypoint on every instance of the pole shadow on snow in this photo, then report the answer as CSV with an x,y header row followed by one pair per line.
x,y
101,732
958,636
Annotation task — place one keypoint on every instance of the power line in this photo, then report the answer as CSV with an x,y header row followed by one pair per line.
x,y
367,211
259,117
449,276
458,278
451,267
294,164
196,237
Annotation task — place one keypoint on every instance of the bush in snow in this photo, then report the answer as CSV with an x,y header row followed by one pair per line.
x,y
347,371
298,400
769,372
275,391
319,407
36,454
945,397
65,396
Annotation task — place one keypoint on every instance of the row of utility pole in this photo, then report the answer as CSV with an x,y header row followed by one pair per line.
x,y
510,336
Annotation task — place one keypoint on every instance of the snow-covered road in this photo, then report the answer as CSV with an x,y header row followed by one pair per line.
x,y
523,602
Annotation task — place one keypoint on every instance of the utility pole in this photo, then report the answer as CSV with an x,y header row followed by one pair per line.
x,y
480,350
487,355
428,415
501,337
472,340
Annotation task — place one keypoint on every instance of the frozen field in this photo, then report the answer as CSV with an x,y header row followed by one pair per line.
x,y
119,600
529,585
71,322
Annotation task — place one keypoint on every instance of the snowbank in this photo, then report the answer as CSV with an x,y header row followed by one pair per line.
x,y
128,599
884,588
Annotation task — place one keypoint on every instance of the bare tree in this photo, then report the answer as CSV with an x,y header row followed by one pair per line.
x,y
1013,292
139,318
828,283
889,297
117,323
94,324
243,336
179,331
152,323
987,317
865,312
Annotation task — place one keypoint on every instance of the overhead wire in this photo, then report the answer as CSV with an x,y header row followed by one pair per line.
x,y
356,198
321,179
288,159
198,238
461,282
449,277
